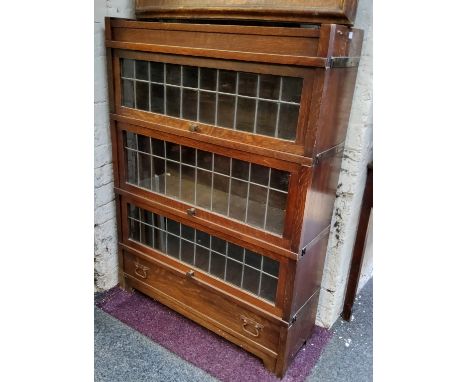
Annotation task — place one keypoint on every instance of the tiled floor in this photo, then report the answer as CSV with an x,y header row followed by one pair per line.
x,y
123,354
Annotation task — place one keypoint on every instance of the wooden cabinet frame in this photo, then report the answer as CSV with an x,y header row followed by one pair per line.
x,y
326,58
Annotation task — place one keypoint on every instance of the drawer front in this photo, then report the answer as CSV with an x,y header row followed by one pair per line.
x,y
211,306
230,190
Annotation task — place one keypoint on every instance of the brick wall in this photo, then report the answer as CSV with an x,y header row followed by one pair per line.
x,y
105,234
357,153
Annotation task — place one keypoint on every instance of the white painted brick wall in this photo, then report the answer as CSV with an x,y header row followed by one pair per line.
x,y
105,226
358,151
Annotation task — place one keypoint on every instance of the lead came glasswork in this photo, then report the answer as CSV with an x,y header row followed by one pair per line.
x,y
248,192
229,262
255,103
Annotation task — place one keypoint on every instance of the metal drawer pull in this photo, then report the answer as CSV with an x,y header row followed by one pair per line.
x,y
191,211
248,322
190,273
140,270
194,128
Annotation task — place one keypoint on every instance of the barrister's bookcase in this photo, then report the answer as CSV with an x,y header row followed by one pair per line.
x,y
227,144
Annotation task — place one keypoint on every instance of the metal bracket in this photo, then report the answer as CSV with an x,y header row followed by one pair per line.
x,y
342,62
328,153
317,238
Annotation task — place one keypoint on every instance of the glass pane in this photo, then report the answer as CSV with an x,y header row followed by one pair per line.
x,y
144,144
202,258
147,234
227,81
245,114
276,212
289,115
128,68
190,75
257,205
173,227
279,179
134,229
269,86
173,101
236,252
292,88
240,169
253,259
251,280
259,174
217,266
128,93
207,107
187,252
203,239
173,74
131,140
158,147
218,245
159,241
173,246
204,179
270,266
248,84
172,151
141,70
268,289
188,232
226,104
157,98
132,167
173,179
220,194
222,164
189,104
234,272
238,200
188,155
144,176
158,176
188,184
142,95
204,159
208,79
157,72
266,118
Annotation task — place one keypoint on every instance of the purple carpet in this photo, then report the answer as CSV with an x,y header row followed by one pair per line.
x,y
199,346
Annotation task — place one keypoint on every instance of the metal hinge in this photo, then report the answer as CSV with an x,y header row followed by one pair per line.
x,y
319,237
328,153
342,62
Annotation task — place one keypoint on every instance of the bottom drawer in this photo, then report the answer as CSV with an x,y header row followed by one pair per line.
x,y
258,333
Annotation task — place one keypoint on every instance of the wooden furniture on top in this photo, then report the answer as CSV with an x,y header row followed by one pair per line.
x,y
304,11
227,145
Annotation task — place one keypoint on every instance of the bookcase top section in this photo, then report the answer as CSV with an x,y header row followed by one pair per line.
x,y
291,11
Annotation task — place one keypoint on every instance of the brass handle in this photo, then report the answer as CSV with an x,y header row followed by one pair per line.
x,y
190,273
140,270
194,128
191,211
247,322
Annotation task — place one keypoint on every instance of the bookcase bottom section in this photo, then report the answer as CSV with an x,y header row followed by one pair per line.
x,y
270,338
